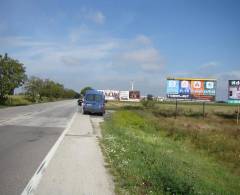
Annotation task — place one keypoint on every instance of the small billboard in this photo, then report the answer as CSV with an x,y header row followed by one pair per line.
x,y
124,95
129,96
134,95
234,91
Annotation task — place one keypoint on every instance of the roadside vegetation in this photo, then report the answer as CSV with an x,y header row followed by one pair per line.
x,y
149,151
35,90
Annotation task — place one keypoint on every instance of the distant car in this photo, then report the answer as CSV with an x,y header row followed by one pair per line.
x,y
80,101
150,97
94,102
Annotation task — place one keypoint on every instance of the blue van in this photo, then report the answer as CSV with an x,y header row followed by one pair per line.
x,y
94,102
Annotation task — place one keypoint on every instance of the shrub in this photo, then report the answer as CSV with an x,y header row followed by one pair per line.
x,y
148,103
16,100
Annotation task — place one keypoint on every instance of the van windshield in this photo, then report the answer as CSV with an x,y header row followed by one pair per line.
x,y
94,97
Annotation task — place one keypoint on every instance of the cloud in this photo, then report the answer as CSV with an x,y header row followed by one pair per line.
x,y
97,17
94,16
77,33
209,65
142,39
3,26
146,58
89,58
20,41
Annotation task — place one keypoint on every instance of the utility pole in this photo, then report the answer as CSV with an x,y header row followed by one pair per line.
x,y
132,84
203,110
176,108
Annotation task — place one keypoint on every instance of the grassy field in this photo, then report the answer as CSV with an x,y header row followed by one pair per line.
x,y
151,152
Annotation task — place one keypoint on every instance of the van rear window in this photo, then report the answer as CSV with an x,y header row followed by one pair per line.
x,y
94,97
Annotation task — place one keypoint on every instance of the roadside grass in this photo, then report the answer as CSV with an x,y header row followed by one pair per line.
x,y
22,100
213,111
220,138
17,100
152,153
117,105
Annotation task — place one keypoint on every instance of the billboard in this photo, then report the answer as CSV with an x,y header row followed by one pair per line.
x,y
124,95
234,91
110,94
129,95
192,89
134,95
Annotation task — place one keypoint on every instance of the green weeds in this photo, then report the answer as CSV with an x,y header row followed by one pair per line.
x,y
149,156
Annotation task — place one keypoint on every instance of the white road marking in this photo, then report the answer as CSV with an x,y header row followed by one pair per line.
x,y
34,181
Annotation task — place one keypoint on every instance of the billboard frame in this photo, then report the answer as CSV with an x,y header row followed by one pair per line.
x,y
190,96
231,100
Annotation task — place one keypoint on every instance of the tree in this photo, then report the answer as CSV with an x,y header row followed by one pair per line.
x,y
33,88
12,75
38,88
69,93
57,90
83,90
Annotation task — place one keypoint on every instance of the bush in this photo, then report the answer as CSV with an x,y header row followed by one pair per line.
x,y
148,103
17,100
226,115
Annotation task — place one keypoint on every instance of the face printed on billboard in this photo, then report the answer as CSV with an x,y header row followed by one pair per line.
x,y
197,87
185,88
234,90
134,94
172,87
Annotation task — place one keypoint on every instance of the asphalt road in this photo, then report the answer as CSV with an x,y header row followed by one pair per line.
x,y
27,133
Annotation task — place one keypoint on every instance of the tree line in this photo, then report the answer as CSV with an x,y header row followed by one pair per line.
x,y
13,75
38,88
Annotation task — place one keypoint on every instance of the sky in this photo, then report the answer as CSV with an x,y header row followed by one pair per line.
x,y
107,44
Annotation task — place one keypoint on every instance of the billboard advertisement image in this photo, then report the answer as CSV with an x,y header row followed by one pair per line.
x,y
185,88
134,95
129,96
234,91
124,95
197,88
172,87
192,89
110,94
209,88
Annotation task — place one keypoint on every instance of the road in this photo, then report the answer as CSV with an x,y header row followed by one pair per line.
x,y
27,133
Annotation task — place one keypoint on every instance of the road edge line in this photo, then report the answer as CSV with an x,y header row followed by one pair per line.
x,y
34,181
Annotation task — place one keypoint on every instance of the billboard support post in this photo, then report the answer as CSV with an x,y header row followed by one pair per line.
x,y
203,110
176,109
238,114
